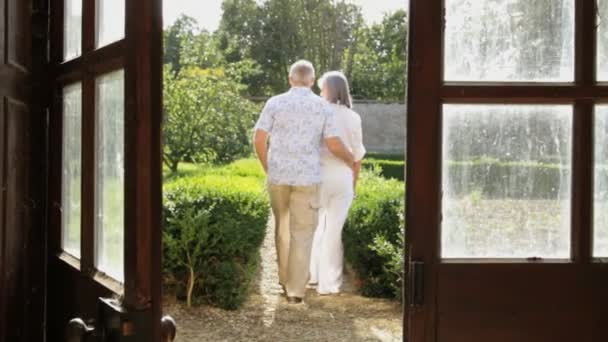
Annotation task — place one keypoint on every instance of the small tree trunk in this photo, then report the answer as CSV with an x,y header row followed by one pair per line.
x,y
190,287
173,166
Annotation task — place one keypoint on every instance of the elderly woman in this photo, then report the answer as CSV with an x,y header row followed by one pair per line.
x,y
338,182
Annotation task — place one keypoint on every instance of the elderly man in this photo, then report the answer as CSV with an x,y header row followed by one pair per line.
x,y
297,123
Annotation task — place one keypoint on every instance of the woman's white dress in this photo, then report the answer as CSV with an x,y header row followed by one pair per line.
x,y
337,194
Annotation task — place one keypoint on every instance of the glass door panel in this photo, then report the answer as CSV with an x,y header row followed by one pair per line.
x,y
602,41
110,22
71,169
506,181
509,40
72,29
110,173
601,182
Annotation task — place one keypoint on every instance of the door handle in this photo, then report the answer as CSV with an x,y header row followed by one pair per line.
x,y
114,324
78,331
168,329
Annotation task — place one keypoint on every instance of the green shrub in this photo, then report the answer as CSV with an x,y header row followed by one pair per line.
x,y
497,179
385,156
373,235
236,213
492,178
389,169
186,249
393,254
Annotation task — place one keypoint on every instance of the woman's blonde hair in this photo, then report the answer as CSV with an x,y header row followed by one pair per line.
x,y
336,88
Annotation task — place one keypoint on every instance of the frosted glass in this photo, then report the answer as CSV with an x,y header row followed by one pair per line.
x,y
506,181
509,40
109,187
72,29
71,169
602,41
601,182
110,21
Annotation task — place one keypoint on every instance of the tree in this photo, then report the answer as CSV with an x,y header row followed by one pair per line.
x,y
206,119
379,67
278,32
183,30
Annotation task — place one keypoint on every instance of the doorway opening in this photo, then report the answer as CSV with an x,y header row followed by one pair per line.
x,y
222,61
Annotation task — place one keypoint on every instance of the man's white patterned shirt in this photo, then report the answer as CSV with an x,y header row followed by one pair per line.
x,y
297,121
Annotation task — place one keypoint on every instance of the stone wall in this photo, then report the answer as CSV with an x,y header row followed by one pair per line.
x,y
383,126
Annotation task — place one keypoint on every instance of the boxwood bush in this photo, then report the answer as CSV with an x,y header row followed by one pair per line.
x,y
492,178
389,169
373,235
232,213
498,179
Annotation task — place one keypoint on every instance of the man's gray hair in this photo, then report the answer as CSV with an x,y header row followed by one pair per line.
x,y
302,71
336,88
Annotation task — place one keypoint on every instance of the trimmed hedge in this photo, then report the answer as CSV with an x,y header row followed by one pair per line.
x,y
492,178
389,169
385,156
373,235
236,212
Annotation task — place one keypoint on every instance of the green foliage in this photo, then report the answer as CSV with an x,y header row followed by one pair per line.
x,y
206,119
242,168
232,229
489,178
378,68
331,34
186,249
373,235
393,254
385,156
248,167
390,169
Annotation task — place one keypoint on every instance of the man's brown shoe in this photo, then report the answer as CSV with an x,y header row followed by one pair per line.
x,y
294,300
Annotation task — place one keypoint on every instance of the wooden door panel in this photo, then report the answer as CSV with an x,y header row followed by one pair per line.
x,y
76,295
516,326
19,35
22,176
16,212
513,287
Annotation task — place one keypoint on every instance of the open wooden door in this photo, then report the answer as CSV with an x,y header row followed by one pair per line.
x,y
105,159
506,172
22,169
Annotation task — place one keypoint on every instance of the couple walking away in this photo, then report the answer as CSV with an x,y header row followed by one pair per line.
x,y
311,149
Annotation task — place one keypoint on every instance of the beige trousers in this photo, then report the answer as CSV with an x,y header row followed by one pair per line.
x,y
296,211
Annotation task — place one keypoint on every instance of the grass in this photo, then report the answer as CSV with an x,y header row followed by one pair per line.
x,y
248,167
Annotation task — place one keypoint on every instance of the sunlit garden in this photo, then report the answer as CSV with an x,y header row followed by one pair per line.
x,y
215,206
506,169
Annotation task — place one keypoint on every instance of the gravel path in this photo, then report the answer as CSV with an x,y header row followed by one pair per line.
x,y
266,316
